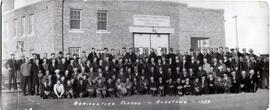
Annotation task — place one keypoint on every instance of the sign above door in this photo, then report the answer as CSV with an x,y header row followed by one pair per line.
x,y
151,20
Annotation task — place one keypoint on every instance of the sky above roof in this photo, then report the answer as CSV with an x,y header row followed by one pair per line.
x,y
252,21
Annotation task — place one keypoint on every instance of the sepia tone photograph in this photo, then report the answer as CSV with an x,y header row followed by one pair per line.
x,y
134,55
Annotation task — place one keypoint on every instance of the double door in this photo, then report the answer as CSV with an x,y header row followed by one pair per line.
x,y
158,42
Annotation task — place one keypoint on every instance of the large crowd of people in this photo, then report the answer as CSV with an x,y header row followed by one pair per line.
x,y
129,72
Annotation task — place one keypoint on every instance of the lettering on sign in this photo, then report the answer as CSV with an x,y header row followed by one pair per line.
x,y
151,20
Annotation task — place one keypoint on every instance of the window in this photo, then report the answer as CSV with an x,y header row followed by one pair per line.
x,y
75,19
199,43
102,20
23,26
20,46
7,31
31,24
74,50
203,43
15,28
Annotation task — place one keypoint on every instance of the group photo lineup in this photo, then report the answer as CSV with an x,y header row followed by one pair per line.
x,y
122,73
128,54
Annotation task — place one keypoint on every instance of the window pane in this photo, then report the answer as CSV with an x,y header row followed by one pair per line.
x,y
23,26
78,15
75,24
74,50
7,31
31,24
15,28
75,15
102,25
75,19
102,20
99,25
104,17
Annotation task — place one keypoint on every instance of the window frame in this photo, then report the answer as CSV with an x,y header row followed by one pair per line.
x,y
107,20
15,28
69,50
31,24
6,31
71,19
197,42
23,26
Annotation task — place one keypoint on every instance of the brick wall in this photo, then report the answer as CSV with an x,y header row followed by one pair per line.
x,y
120,19
187,22
198,22
40,41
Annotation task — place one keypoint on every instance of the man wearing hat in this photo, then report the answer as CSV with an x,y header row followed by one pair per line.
x,y
227,53
84,57
234,54
59,56
52,57
238,52
105,54
125,55
68,58
251,54
92,54
11,67
244,54
171,54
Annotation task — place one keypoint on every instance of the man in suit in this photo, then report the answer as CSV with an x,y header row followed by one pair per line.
x,y
53,57
265,73
11,67
19,63
244,54
235,80
125,54
227,53
105,54
243,65
244,81
53,66
217,55
200,56
253,81
92,54
71,65
68,58
207,55
171,54
152,54
132,55
238,52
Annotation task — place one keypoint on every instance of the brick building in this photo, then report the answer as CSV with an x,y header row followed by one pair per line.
x,y
113,24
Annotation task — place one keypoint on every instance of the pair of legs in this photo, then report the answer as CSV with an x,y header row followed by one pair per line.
x,y
27,84
161,91
101,93
153,91
12,80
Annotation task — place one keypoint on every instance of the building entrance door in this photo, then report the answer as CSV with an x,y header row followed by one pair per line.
x,y
144,42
